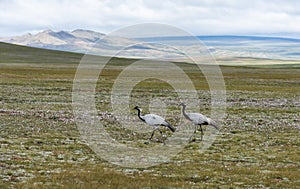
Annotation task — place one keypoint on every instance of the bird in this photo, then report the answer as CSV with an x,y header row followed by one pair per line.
x,y
198,119
154,120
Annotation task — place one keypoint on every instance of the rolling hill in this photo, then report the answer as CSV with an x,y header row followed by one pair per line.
x,y
10,53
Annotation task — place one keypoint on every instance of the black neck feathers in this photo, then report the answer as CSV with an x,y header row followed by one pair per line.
x,y
139,115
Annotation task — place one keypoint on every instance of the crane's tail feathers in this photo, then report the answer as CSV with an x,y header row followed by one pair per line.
x,y
171,128
215,126
213,123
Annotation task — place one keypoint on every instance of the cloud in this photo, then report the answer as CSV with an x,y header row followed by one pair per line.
x,y
205,17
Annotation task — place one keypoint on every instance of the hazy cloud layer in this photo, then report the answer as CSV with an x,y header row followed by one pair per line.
x,y
205,17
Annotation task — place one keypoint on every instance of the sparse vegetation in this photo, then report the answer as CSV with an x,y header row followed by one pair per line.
x,y
258,147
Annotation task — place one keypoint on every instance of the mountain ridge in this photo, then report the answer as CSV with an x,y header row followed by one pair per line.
x,y
92,42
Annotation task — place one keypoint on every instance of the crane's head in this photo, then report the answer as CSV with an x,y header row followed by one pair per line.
x,y
182,104
137,108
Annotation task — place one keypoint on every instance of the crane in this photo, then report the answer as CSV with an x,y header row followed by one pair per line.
x,y
154,120
198,119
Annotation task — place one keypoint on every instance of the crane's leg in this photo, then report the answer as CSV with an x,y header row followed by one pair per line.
x,y
152,134
195,129
160,132
201,132
193,139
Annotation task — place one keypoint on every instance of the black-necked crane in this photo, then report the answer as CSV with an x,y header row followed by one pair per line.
x,y
154,120
198,119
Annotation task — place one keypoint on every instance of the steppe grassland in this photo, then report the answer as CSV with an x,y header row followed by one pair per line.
x,y
258,145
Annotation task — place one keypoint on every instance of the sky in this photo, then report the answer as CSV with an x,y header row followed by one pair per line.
x,y
203,17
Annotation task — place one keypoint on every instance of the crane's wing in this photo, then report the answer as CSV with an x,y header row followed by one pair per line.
x,y
153,119
198,118
156,120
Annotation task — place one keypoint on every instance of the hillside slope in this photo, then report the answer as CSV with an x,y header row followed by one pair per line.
x,y
10,53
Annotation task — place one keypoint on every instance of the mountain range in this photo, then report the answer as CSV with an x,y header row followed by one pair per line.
x,y
87,41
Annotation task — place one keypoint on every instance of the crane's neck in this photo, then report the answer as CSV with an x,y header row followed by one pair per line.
x,y
184,113
140,116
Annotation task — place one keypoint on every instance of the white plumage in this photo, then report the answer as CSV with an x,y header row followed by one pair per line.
x,y
154,120
198,119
